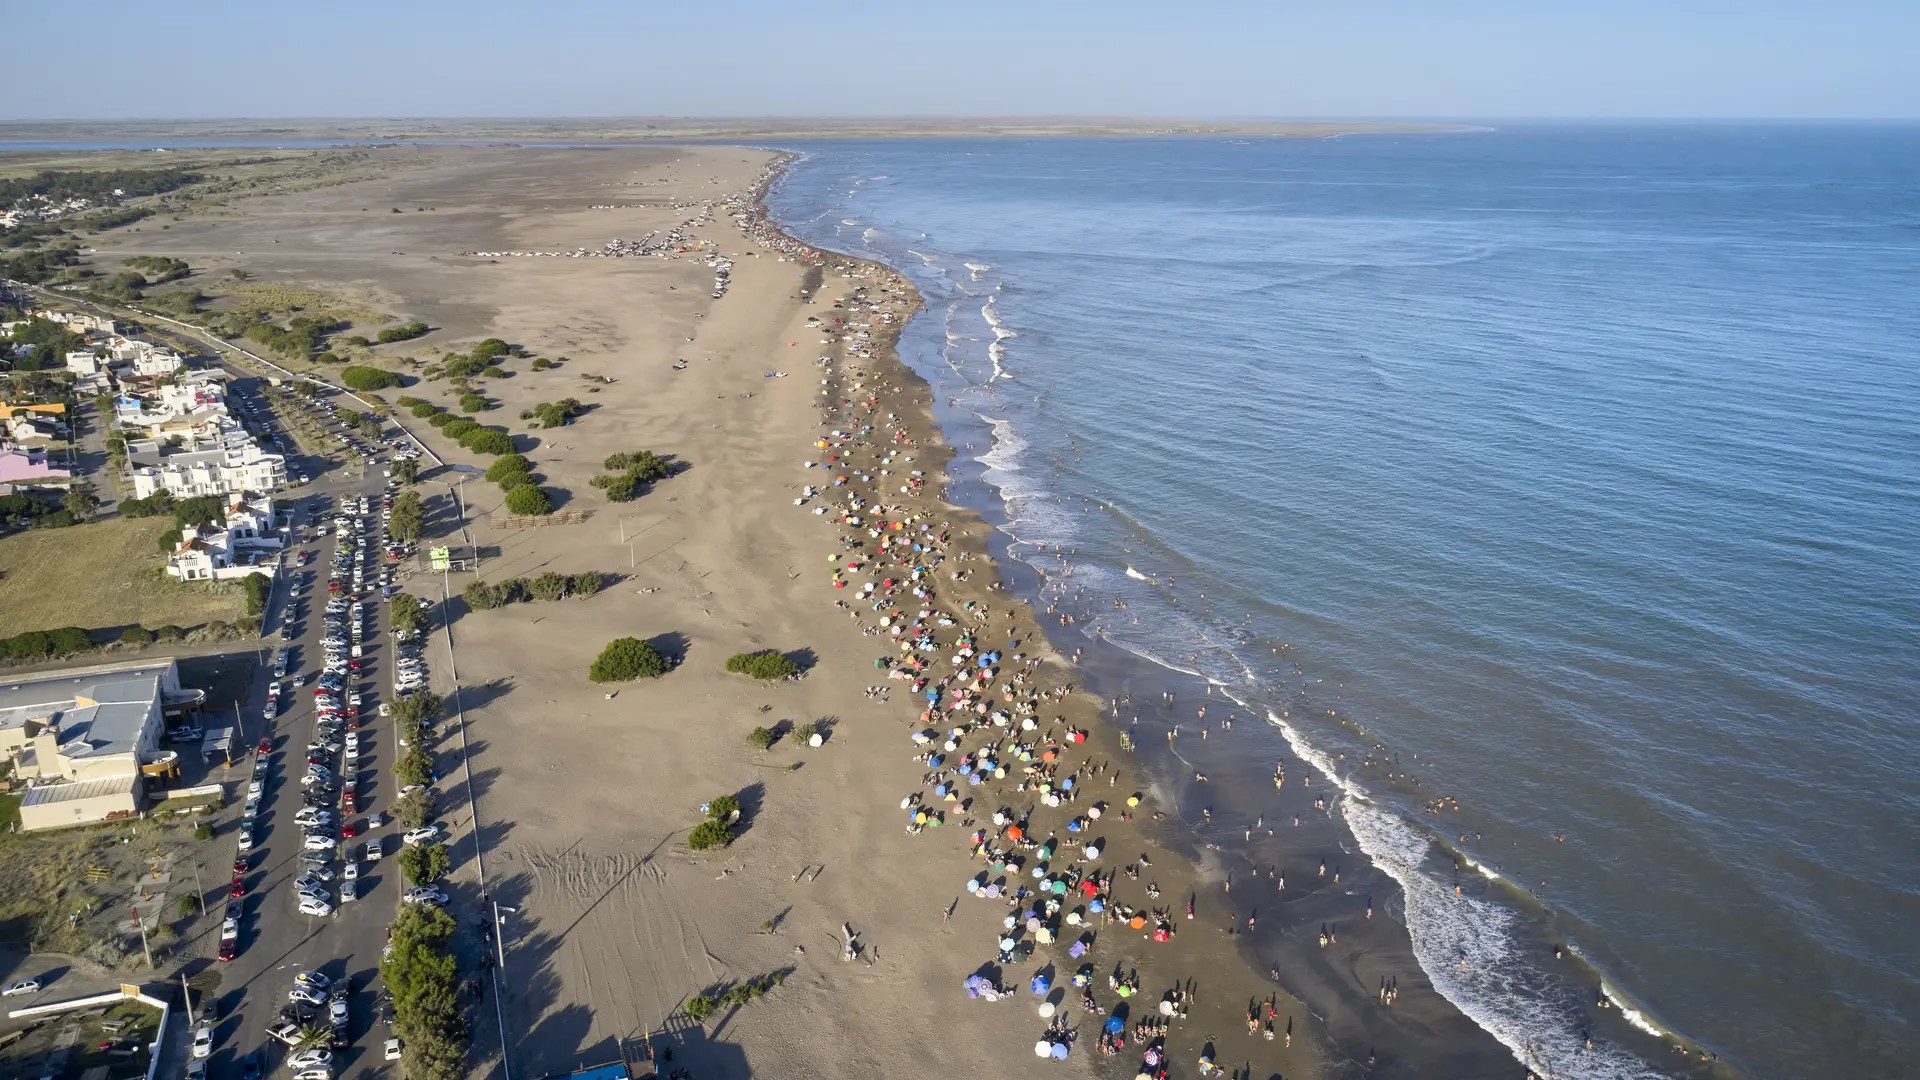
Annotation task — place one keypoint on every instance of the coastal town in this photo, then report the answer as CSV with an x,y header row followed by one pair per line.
x,y
793,715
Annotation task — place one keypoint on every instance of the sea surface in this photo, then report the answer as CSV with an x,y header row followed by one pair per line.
x,y
1572,470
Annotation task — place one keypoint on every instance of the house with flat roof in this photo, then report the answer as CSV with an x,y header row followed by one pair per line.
x,y
247,544
30,465
80,737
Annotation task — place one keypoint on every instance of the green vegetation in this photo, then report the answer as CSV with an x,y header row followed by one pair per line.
x,y
424,864
406,470
485,596
805,732
442,419
424,409
104,574
50,341
301,337
488,441
37,267
625,659
700,1006
45,644
584,584
424,979
158,268
414,768
459,427
414,809
473,403
765,664
361,377
510,470
136,635
95,185
761,738
406,332
258,587
529,500
629,475
408,613
409,518
553,414
31,512
717,829
542,364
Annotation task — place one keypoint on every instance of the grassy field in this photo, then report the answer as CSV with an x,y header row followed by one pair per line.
x,y
107,573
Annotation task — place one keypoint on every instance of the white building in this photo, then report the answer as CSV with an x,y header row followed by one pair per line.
x,y
223,470
246,544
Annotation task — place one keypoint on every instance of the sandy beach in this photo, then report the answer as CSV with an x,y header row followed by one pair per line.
x,y
584,796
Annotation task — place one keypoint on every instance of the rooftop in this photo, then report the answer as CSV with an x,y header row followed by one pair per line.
x,y
43,794
102,709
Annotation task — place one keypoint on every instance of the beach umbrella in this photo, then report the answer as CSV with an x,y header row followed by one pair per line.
x,y
1043,1048
1006,944
1152,1056
1093,851
1073,918
1074,825
1040,985
1094,812
1046,1009
1162,935
1089,887
1014,832
1043,935
1133,800
993,890
1115,1025
999,818
1039,871
1166,1008
973,885
1077,949
1059,1051
1009,921
1060,888
1125,991
1033,923
1096,905
1136,922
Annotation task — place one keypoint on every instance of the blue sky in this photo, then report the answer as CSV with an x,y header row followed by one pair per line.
x,y
1440,58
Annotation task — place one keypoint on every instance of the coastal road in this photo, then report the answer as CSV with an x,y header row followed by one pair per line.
x,y
275,940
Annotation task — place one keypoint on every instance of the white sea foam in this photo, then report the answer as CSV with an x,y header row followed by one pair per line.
x,y
1137,575
977,269
849,221
1465,945
924,257
997,351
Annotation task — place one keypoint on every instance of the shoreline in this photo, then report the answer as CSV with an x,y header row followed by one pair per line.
x,y
1322,1004
1334,997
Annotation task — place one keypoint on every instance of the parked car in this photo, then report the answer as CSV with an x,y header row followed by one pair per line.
x,y
425,894
317,908
306,995
245,841
203,1042
315,1058
424,835
24,986
318,842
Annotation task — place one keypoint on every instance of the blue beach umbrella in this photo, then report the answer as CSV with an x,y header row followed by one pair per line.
x,y
1115,1025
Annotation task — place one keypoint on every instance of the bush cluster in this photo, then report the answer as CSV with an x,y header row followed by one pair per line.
x,y
528,500
551,585
553,414
424,864
765,664
625,659
629,475
405,332
362,377
510,470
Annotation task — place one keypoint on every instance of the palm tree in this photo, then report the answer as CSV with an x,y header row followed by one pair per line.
x,y
311,1037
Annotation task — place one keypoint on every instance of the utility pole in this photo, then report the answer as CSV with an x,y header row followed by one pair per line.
x,y
188,992
142,924
200,890
500,936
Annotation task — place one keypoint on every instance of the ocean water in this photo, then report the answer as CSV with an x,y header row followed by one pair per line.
x,y
1573,469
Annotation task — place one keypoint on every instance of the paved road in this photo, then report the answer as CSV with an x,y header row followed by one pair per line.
x,y
275,940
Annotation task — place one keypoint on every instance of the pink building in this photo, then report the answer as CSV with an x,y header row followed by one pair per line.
x,y
30,464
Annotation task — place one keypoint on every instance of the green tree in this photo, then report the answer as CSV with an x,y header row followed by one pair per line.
x,y
474,403
80,499
585,583
548,586
424,864
507,465
485,596
488,441
406,470
458,428
625,659
414,809
407,614
363,378
415,767
528,500
761,738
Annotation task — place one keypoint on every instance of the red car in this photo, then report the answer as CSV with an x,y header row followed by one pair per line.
x,y
240,869
266,746
349,829
227,950
349,805
239,889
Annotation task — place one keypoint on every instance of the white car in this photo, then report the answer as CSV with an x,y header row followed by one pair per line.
x,y
317,842
351,872
245,842
311,779
312,978
306,995
316,1058
256,788
313,815
393,1049
24,986
314,1074
337,1012
230,927
425,835
376,848
203,1042
315,907
425,894
311,882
